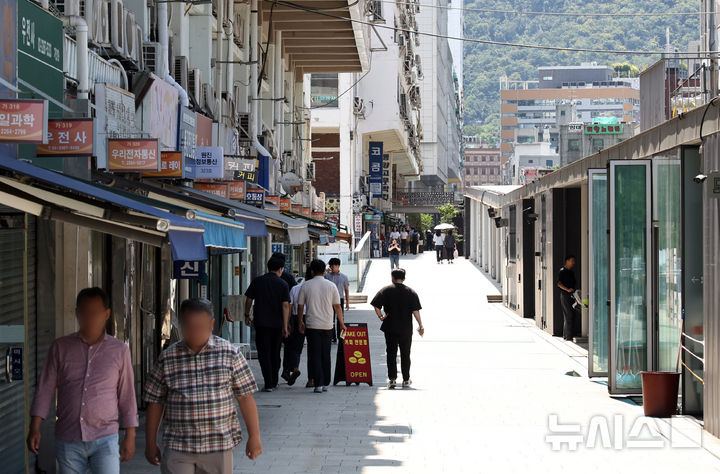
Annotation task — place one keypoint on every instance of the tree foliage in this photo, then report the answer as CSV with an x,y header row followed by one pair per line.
x,y
485,64
447,213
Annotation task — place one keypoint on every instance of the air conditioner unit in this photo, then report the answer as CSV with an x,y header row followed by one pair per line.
x,y
375,12
244,127
311,171
195,85
153,57
400,38
180,71
238,28
99,24
208,94
131,48
117,26
418,65
68,7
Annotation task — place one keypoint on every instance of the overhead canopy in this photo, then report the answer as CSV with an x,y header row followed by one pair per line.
x,y
57,196
221,233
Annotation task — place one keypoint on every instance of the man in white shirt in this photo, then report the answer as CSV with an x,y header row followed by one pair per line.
x,y
439,241
403,241
319,301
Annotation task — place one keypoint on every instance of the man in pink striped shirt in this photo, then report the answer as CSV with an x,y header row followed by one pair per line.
x,y
92,374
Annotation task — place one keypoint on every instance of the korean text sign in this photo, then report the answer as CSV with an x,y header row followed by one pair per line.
x,y
375,161
208,162
68,137
170,166
23,121
186,269
139,154
356,347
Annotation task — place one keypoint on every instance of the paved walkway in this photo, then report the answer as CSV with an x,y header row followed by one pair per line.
x,y
485,382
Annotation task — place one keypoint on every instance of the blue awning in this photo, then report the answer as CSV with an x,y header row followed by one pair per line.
x,y
221,233
184,235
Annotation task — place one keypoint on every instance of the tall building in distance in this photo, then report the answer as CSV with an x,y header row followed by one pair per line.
x,y
481,164
528,108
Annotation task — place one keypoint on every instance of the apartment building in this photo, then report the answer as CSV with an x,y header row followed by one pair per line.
x,y
481,165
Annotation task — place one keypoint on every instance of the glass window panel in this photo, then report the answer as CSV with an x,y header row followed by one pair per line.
x,y
666,190
629,263
599,286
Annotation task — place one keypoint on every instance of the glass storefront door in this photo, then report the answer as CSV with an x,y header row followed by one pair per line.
x,y
598,272
630,285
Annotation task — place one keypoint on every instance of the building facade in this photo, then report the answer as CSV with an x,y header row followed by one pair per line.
x,y
481,165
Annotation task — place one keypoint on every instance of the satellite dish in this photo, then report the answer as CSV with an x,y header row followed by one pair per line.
x,y
290,180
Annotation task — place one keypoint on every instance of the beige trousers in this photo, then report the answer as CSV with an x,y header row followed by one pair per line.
x,y
177,462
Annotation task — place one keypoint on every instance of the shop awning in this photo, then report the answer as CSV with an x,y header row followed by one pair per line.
x,y
61,197
221,233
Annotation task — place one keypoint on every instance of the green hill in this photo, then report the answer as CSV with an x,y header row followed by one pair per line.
x,y
485,64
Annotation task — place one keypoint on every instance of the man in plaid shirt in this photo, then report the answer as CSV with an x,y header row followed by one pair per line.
x,y
192,387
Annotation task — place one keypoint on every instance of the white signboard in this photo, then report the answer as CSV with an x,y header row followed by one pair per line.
x,y
208,162
575,127
115,118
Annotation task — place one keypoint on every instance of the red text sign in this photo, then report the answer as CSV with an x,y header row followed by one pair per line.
x,y
68,137
23,121
218,189
171,163
356,347
139,154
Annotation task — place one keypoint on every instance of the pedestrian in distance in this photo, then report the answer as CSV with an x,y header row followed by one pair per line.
x,y
394,234
450,246
286,276
429,240
394,252
438,241
294,342
343,286
191,390
404,241
318,301
399,303
92,375
270,317
414,238
567,283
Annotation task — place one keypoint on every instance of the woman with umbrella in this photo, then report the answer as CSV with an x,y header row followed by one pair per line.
x,y
441,241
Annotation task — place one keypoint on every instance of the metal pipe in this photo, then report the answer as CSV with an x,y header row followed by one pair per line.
x,y
81,41
254,119
218,67
279,92
164,38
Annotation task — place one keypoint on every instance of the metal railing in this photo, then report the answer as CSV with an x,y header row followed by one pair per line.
x,y
101,71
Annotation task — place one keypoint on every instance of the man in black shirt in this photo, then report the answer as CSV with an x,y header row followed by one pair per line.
x,y
566,283
400,303
270,318
286,276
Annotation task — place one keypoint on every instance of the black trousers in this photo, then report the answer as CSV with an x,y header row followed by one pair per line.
x,y
293,346
268,342
403,247
450,253
336,326
439,252
392,342
566,302
319,355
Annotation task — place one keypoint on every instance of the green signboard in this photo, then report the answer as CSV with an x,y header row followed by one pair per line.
x,y
603,129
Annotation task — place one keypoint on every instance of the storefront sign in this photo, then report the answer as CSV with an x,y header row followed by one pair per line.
x,y
277,247
236,190
386,177
599,129
375,155
296,208
358,224
356,348
186,269
241,175
318,216
284,204
170,166
23,120
255,197
208,162
68,137
306,212
133,155
204,130
115,118
273,199
160,112
218,189
187,138
575,127
16,363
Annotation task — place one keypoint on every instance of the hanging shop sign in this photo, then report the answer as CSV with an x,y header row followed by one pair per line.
x,y
203,133
273,199
139,154
236,190
255,197
15,363
358,224
284,204
187,138
218,189
356,348
318,215
208,162
68,137
249,176
159,111
115,118
277,247
306,211
386,177
170,166
23,120
296,208
375,154
600,129
188,269
576,127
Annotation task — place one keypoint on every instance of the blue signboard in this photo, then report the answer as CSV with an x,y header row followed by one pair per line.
x,y
187,269
255,198
375,155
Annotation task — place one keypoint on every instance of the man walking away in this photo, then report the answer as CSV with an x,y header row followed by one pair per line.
x,y
294,342
270,316
450,246
394,251
403,241
191,389
428,240
400,303
92,374
317,300
438,240
286,276
566,283
343,286
414,238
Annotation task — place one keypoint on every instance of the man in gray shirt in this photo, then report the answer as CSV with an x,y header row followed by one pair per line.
x,y
343,286
317,300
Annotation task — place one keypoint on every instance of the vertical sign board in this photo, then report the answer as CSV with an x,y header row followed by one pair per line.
x,y
277,247
8,58
386,177
356,347
375,162
187,136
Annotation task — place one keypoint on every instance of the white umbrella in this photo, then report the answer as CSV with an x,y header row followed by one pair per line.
x,y
444,227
